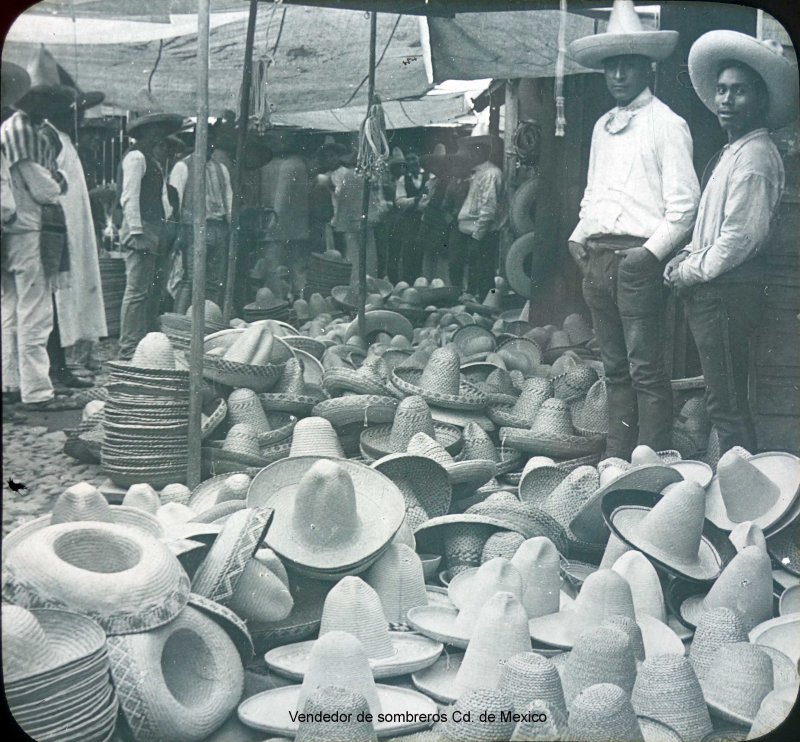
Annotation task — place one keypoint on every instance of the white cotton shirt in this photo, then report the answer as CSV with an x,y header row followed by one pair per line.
x,y
641,181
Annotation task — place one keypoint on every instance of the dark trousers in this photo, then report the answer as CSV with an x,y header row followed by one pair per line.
x,y
217,234
627,300
723,318
481,258
411,247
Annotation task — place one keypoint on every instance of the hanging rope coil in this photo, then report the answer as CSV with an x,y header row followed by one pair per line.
x,y
373,146
259,94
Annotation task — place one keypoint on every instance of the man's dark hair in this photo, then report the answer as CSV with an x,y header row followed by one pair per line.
x,y
756,80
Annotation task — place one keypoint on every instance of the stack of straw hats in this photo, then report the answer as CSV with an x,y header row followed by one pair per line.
x,y
178,327
326,270
56,675
145,426
266,306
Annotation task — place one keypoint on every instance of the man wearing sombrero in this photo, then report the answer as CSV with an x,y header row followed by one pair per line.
x,y
751,87
640,201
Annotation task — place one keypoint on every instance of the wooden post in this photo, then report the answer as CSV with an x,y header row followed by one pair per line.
x,y
193,474
362,253
509,169
236,175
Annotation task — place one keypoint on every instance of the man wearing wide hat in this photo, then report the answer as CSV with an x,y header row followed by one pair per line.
x,y
145,204
640,200
752,88
27,277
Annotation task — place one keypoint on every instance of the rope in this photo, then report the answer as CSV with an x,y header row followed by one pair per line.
x,y
561,119
260,106
380,59
373,148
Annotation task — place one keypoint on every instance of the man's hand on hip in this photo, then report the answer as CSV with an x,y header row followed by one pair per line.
x,y
580,255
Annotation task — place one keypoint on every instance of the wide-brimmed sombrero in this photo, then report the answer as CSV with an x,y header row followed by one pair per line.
x,y
165,123
465,476
382,320
331,516
364,409
15,83
624,36
369,378
764,56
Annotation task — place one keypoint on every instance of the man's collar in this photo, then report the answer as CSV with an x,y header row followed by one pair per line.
x,y
640,101
741,141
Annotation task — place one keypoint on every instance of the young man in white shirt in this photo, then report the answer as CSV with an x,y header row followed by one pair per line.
x,y
640,201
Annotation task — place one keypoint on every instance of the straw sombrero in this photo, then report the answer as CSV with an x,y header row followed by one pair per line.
x,y
479,446
331,516
363,409
353,606
670,530
760,488
337,658
625,35
766,57
16,82
126,580
465,476
440,383
291,393
369,378
522,412
779,634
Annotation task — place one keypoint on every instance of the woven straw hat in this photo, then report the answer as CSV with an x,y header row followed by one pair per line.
x,y
262,592
337,658
180,681
773,711
154,351
500,631
413,416
315,436
670,530
784,547
455,625
353,606
423,482
760,488
523,412
330,515
473,343
235,627
538,562
600,655
590,413
142,497
588,523
440,382
570,495
397,578
175,492
245,407
631,630
501,544
691,428
83,502
648,596
552,730
779,634
528,675
124,579
575,383
290,393
465,476
490,714
604,594
363,409
352,708
225,563
551,434
539,478
625,35
744,585
369,378
479,446
737,681
666,689
42,643
222,488
717,626
498,573
604,712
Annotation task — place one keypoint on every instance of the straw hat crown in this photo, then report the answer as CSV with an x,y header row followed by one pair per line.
x,y
242,439
631,629
604,594
442,372
538,561
490,713
143,497
497,575
154,351
245,407
176,492
499,381
568,497
746,491
577,328
325,512
666,689
413,415
575,383
501,544
399,582
552,730
338,658
353,606
552,419
82,501
422,444
291,381
641,575
675,524
604,712
315,436
26,649
352,708
747,534
477,444
599,655
717,626
528,675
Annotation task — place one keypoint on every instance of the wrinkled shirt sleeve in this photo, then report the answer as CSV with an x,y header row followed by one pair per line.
x,y
40,184
680,190
134,167
745,227
579,233
488,199
178,179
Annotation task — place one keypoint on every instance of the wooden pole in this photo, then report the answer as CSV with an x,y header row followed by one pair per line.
x,y
238,196
193,474
362,253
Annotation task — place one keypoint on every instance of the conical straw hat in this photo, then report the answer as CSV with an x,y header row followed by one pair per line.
x,y
501,544
143,497
747,534
154,351
398,580
552,730
499,573
540,477
529,675
245,407
631,629
717,626
773,711
352,708
490,712
538,562
315,436
242,439
260,594
604,712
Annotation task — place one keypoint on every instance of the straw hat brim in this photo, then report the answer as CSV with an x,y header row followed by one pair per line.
x,y
551,445
366,409
270,711
418,474
778,73
407,380
235,627
293,404
467,476
410,653
781,468
282,427
357,381
588,524
779,633
439,680
591,51
694,471
540,482
242,375
624,510
530,348
220,461
382,320
205,494
379,504
462,418
460,586
438,623
168,122
375,440
122,516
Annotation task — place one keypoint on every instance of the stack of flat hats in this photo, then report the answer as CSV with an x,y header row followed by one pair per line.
x,y
266,306
326,270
